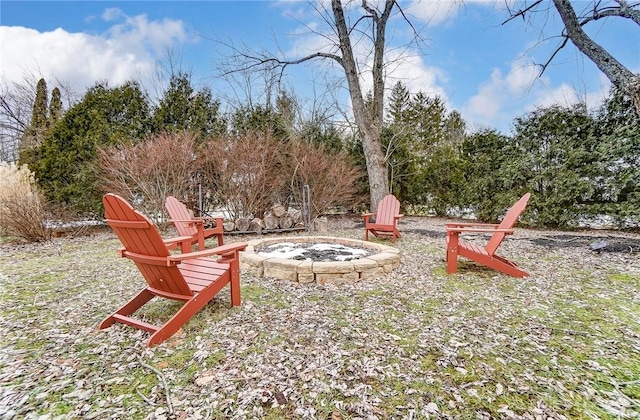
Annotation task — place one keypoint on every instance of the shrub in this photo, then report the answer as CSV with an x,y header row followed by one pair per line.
x,y
245,173
22,206
332,176
252,172
145,173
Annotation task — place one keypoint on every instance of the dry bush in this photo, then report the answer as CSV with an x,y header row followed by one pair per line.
x,y
22,206
145,173
332,177
244,173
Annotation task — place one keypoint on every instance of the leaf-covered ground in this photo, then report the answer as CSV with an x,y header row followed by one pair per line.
x,y
413,344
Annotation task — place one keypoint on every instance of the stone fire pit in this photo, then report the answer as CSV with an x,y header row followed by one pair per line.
x,y
380,259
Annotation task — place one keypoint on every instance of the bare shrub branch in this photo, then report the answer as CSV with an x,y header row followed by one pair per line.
x,y
332,178
147,172
243,173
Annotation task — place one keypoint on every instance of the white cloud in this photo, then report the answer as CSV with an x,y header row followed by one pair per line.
x,y
563,95
487,103
112,13
139,31
567,95
128,50
503,96
433,12
415,75
436,12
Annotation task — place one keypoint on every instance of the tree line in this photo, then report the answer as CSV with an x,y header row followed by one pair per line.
x,y
578,165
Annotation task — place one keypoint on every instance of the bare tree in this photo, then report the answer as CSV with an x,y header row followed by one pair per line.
x,y
16,107
619,75
369,28
16,101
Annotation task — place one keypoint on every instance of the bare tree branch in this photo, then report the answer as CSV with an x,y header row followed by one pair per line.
x,y
520,13
619,75
624,10
611,67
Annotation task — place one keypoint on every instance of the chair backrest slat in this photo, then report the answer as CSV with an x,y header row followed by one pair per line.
x,y
388,209
178,211
140,236
509,220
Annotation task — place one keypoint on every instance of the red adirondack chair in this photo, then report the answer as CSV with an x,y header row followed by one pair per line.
x,y
487,255
188,277
386,219
192,226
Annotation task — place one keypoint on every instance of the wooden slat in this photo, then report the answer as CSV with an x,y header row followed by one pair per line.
x,y
388,208
178,212
136,323
127,224
145,241
508,222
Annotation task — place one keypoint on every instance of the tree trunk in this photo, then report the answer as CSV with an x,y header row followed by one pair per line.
x,y
376,169
369,122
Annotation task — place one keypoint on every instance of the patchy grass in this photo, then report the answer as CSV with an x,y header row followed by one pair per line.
x,y
416,343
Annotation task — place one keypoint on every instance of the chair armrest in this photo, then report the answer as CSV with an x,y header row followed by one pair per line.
x,y
144,259
177,240
220,250
366,216
478,230
206,219
469,224
224,251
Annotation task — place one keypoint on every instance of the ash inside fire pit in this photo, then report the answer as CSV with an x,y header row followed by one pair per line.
x,y
317,252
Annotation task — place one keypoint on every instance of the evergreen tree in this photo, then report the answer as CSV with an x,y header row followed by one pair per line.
x,y
443,170
553,153
182,108
399,101
258,119
398,142
105,116
55,107
427,116
422,144
33,135
618,151
485,192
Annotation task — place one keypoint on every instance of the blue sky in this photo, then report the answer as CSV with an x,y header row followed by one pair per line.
x,y
479,66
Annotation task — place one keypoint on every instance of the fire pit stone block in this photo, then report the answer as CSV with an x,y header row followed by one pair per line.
x,y
383,260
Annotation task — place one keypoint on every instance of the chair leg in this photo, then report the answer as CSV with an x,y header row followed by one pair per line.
x,y
507,267
184,314
128,308
452,262
452,253
234,280
200,241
